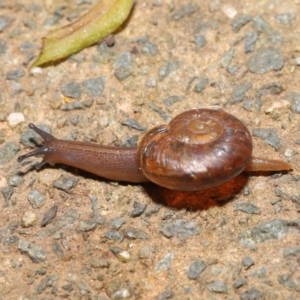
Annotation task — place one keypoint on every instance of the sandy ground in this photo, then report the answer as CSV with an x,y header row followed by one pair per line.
x,y
66,233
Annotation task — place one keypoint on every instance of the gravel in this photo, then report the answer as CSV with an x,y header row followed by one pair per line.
x,y
200,41
239,21
138,209
195,269
251,294
247,262
72,90
132,233
66,183
28,219
49,215
168,68
273,229
269,135
217,287
165,262
179,228
131,123
246,207
250,41
266,60
123,66
36,253
149,49
5,22
239,92
201,84
7,192
15,74
36,198
114,236
87,225
94,87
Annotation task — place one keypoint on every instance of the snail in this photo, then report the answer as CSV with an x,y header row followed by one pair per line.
x,y
199,149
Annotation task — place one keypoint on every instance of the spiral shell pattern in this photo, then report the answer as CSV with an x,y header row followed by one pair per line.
x,y
199,149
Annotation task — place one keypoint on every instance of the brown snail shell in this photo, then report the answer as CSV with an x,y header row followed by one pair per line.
x,y
199,149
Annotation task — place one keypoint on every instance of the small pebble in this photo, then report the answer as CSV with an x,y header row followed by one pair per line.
x,y
8,152
195,269
294,251
246,207
100,263
169,101
94,87
5,21
134,124
179,228
200,41
239,21
132,233
251,294
149,49
36,253
7,193
30,23
66,183
138,209
72,90
227,58
229,10
49,215
122,255
185,10
116,223
247,262
272,88
239,283
87,225
285,18
10,240
217,287
28,219
266,60
122,293
239,92
276,105
123,66
146,252
114,236
250,41
168,294
168,68
151,82
289,153
15,180
3,46
15,74
269,135
165,262
36,198
287,281
273,229
201,84
297,61
14,119
261,25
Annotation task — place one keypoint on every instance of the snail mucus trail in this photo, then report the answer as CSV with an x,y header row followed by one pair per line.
x,y
197,150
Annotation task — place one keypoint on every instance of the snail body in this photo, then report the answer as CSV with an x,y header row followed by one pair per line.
x,y
198,149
